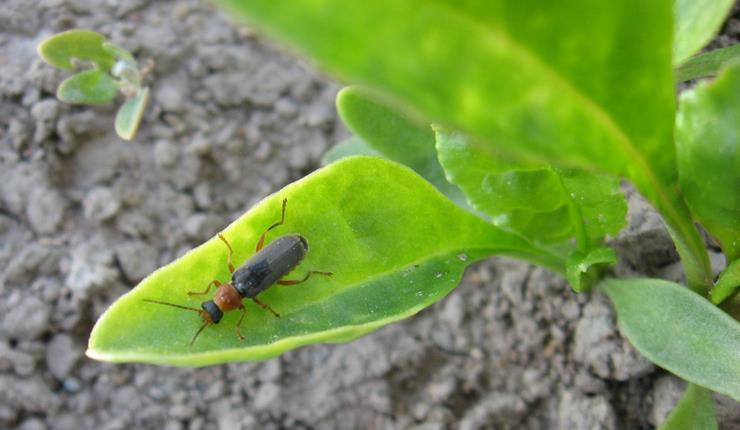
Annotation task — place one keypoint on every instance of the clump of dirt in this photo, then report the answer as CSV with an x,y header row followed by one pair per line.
x,y
84,216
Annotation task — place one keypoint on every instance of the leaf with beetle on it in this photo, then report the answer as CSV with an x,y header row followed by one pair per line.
x,y
708,145
355,216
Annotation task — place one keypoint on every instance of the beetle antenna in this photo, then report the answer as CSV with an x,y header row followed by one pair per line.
x,y
198,332
187,308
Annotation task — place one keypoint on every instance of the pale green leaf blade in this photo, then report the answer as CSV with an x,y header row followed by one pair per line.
x,y
395,136
708,64
708,144
728,282
695,411
347,148
581,269
129,114
60,49
599,95
696,23
91,87
680,331
393,242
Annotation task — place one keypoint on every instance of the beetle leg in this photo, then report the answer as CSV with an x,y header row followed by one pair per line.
x,y
214,283
266,306
305,278
239,323
261,242
231,251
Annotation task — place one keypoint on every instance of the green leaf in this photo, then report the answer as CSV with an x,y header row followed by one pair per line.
x,y
346,148
707,64
496,71
91,87
393,242
130,113
544,204
395,136
581,268
60,49
695,411
728,282
680,331
708,144
696,23
119,52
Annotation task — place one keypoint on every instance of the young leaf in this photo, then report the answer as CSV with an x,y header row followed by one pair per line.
x,y
544,204
707,64
393,242
680,331
695,411
60,49
728,282
494,70
130,113
696,23
580,267
346,148
708,144
91,87
395,137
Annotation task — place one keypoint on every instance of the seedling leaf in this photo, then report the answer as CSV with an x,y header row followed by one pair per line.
x,y
91,87
394,243
129,114
680,331
696,23
61,49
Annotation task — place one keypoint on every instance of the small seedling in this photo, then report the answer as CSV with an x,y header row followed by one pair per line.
x,y
257,274
108,69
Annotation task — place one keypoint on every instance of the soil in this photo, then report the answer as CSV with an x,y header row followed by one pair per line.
x,y
84,216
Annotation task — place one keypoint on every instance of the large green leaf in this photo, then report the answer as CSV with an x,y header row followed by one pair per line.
x,y
708,142
91,87
695,411
61,49
544,204
129,114
393,242
394,136
696,23
679,331
582,82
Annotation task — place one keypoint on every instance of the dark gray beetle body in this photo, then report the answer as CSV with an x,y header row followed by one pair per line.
x,y
269,265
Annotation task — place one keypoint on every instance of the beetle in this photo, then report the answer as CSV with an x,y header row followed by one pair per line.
x,y
264,269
